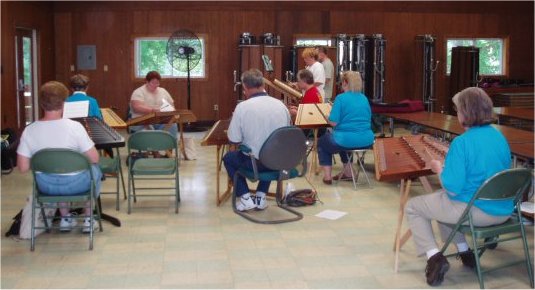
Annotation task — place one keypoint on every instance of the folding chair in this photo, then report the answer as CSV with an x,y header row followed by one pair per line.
x,y
510,184
61,161
282,152
360,153
152,168
112,167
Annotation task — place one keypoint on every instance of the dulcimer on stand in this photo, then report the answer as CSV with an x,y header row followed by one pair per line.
x,y
406,158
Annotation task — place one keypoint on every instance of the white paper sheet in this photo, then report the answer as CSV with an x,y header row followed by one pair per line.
x,y
331,214
78,109
166,107
528,207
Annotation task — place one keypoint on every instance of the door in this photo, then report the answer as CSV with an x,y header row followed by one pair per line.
x,y
24,62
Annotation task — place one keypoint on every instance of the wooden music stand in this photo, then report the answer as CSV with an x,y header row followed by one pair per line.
x,y
218,136
313,116
179,116
291,95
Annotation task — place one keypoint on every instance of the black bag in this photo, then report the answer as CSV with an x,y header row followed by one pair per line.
x,y
301,197
15,227
9,151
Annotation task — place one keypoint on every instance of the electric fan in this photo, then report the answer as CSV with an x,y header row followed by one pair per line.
x,y
184,52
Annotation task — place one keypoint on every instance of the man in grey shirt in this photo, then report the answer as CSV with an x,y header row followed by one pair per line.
x,y
252,122
329,72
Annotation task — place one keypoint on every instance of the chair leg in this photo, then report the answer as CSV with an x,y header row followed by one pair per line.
x,y
177,191
360,160
120,169
129,192
32,234
349,155
91,218
526,248
478,263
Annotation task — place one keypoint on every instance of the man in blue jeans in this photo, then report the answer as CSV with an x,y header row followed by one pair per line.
x,y
252,123
52,131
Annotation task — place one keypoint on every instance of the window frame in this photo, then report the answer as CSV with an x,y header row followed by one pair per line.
x,y
327,37
505,52
135,60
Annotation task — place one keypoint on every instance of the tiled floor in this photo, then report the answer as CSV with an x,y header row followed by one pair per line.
x,y
206,246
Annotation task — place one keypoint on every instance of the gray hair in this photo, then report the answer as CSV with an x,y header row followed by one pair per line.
x,y
252,78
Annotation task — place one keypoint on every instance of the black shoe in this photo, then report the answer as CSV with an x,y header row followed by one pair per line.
x,y
437,266
491,246
467,258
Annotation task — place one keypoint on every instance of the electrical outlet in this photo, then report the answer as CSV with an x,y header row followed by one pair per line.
x,y
216,108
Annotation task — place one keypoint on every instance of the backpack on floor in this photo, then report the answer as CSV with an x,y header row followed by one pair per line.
x,y
301,197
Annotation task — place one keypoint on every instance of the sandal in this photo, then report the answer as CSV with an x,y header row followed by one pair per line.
x,y
342,177
328,181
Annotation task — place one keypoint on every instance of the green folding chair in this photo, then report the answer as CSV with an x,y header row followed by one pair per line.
x,y
111,166
61,161
510,184
152,168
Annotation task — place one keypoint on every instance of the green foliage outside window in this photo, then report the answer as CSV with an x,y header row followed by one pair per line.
x,y
491,60
151,54
27,59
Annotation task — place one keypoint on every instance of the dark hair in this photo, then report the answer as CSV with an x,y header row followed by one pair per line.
x,y
252,78
306,76
52,95
322,49
153,75
475,106
79,82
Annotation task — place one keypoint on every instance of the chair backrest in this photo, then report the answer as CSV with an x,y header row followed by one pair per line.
x,y
284,149
509,184
151,140
59,161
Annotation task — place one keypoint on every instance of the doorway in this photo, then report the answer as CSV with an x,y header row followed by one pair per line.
x,y
25,66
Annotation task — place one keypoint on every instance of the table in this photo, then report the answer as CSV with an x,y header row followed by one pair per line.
x,y
521,118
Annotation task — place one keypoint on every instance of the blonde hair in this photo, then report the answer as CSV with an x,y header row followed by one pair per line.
x,y
353,80
310,52
475,106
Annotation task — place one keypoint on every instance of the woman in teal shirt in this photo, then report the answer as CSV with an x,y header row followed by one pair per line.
x,y
474,156
79,84
351,121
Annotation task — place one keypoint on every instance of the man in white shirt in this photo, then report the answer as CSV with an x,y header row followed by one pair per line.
x,y
151,98
310,56
252,122
329,72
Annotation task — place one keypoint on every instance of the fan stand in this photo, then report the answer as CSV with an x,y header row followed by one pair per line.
x,y
189,127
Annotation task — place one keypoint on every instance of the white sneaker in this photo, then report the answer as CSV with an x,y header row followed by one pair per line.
x,y
87,223
260,200
66,224
245,203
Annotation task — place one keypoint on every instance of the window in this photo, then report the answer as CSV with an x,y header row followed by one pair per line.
x,y
312,42
491,54
151,54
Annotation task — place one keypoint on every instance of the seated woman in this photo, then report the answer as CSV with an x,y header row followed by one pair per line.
x,y
473,157
79,84
351,121
52,131
311,95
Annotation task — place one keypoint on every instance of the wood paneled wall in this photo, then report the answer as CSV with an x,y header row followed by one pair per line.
x,y
112,26
34,15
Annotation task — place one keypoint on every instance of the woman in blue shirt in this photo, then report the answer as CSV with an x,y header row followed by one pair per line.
x,y
474,156
79,84
351,121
